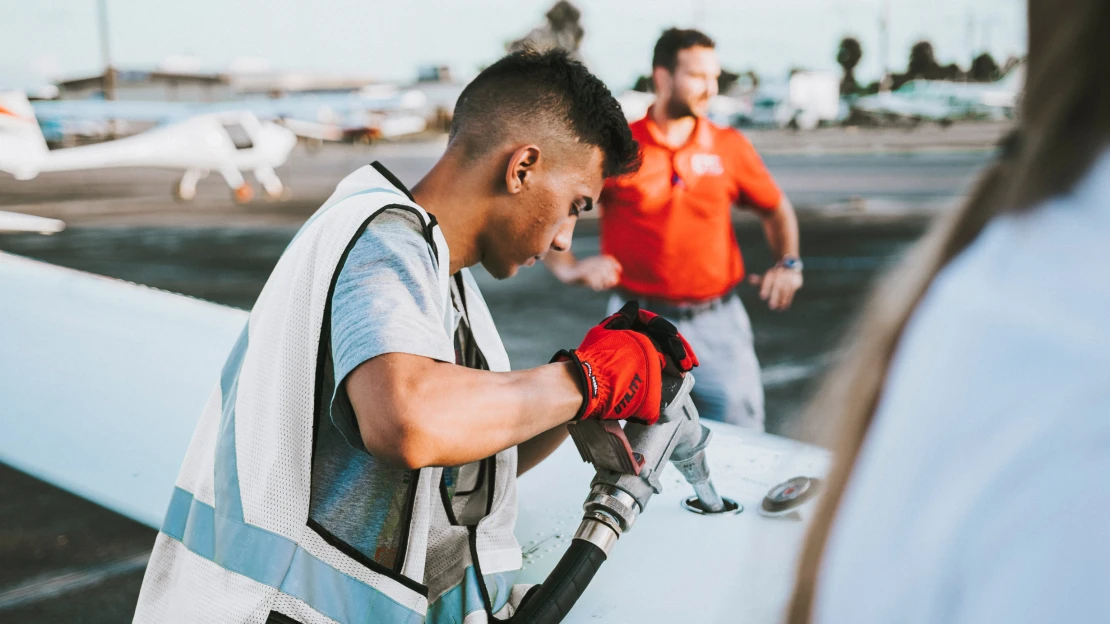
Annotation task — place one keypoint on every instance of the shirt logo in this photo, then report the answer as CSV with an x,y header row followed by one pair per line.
x,y
706,164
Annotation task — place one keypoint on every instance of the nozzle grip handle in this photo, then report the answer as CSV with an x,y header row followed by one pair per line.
x,y
604,444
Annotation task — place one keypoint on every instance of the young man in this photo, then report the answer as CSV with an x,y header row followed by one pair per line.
x,y
358,461
666,231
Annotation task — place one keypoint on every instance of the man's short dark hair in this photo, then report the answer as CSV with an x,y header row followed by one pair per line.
x,y
541,94
675,40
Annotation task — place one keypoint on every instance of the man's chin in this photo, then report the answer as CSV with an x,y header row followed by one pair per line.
x,y
500,271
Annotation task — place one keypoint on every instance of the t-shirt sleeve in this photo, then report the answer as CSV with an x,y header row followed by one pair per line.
x,y
386,300
1042,549
756,186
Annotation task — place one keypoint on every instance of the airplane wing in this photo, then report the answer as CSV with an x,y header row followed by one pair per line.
x,y
106,110
102,381
19,222
317,116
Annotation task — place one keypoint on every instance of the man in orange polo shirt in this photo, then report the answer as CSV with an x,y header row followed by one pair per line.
x,y
666,231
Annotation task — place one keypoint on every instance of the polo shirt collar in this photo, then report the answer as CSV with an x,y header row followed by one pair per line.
x,y
702,135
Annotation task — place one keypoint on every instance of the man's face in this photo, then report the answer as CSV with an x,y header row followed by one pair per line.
x,y
542,215
686,91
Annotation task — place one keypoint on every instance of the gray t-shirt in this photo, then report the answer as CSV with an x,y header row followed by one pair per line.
x,y
386,300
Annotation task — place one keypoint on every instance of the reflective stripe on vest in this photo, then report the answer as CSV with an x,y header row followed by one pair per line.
x,y
278,562
466,597
225,539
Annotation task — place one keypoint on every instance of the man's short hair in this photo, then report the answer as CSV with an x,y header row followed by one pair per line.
x,y
675,40
543,95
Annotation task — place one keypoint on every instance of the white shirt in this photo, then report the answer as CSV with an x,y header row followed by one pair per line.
x,y
982,492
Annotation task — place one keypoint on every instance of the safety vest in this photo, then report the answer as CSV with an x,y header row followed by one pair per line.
x,y
237,544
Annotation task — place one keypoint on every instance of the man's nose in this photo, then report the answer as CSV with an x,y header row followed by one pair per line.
x,y
562,240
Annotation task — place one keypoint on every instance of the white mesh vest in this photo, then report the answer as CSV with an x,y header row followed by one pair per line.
x,y
236,545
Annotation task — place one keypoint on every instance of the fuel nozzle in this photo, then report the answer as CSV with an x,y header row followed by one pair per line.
x,y
630,462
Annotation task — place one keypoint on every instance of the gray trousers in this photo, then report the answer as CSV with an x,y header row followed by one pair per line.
x,y
727,384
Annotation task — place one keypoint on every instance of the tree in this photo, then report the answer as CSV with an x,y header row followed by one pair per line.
x,y
561,30
726,80
848,56
983,69
923,64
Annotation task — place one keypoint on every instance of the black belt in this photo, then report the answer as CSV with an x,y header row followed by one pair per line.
x,y
678,311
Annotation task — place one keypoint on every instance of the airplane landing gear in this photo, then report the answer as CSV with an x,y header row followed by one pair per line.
x,y
185,188
271,184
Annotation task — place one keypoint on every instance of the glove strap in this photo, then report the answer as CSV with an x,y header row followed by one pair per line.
x,y
588,386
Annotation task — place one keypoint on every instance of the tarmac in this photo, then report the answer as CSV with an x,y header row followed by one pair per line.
x,y
863,197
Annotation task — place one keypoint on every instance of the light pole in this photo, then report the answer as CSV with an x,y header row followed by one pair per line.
x,y
109,83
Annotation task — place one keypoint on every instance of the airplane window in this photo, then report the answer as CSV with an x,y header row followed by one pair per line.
x,y
238,135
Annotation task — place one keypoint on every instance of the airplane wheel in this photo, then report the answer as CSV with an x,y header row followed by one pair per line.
x,y
243,195
182,194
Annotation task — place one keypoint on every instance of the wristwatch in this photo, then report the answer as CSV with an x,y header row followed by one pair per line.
x,y
794,263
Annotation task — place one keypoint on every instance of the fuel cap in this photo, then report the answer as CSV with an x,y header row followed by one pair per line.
x,y
789,495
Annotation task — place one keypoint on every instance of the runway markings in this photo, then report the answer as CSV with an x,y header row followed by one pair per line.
x,y
49,587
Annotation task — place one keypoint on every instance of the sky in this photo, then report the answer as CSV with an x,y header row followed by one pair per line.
x,y
49,39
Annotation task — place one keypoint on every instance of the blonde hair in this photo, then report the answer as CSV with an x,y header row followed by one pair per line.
x,y
1064,125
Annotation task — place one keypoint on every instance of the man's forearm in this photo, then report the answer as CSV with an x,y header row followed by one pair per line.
x,y
561,264
780,226
534,451
419,412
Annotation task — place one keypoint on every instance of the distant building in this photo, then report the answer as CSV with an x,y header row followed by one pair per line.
x,y
284,83
169,86
131,85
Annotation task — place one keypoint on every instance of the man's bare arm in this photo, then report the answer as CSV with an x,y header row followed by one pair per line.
x,y
415,412
598,272
562,264
530,453
780,226
778,285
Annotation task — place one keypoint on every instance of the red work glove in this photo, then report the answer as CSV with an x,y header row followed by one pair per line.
x,y
620,373
663,334
621,364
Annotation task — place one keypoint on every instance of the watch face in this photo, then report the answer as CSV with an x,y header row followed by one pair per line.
x,y
791,262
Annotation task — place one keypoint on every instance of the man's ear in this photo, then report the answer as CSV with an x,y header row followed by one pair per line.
x,y
522,165
661,79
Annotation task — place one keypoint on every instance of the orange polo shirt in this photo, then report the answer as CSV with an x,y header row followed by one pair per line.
x,y
670,223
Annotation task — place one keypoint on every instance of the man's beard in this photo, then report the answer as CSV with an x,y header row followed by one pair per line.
x,y
678,109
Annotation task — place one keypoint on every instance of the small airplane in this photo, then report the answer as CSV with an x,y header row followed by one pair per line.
x,y
945,101
371,113
227,142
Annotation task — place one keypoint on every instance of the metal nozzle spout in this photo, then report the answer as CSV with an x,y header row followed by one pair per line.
x,y
695,469
710,500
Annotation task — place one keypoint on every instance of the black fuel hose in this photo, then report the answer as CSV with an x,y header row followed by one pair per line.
x,y
553,600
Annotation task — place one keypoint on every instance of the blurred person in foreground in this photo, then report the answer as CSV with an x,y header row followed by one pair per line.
x,y
666,231
973,409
